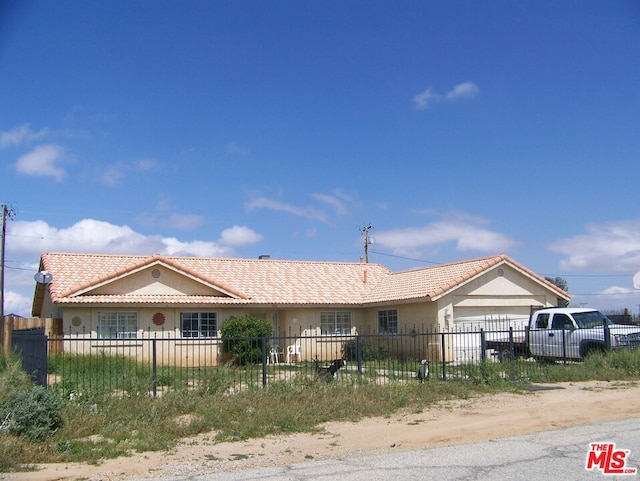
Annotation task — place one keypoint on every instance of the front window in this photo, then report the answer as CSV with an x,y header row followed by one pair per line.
x,y
335,323
388,322
117,325
198,324
591,319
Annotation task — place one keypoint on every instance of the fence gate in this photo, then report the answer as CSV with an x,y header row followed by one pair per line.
x,y
31,344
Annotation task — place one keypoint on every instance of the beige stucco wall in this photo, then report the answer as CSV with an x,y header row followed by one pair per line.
x,y
158,281
295,327
512,288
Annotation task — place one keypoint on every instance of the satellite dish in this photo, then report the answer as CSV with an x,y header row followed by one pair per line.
x,y
636,281
43,277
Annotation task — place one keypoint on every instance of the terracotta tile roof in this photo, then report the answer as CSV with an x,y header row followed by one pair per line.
x,y
251,281
266,282
435,281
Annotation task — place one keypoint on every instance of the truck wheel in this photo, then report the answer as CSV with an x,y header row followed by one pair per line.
x,y
588,349
544,360
504,356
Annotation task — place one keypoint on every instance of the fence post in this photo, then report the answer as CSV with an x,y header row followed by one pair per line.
x,y
264,361
443,347
154,367
359,354
607,337
564,345
483,344
512,352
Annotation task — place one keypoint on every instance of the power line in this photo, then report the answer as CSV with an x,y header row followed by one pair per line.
x,y
588,275
543,275
405,258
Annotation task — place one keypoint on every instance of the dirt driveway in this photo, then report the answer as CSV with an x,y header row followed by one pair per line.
x,y
455,422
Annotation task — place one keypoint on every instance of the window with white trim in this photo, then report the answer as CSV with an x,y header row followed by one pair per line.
x,y
335,323
198,324
117,325
388,321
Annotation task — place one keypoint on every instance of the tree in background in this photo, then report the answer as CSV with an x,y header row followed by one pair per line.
x,y
560,282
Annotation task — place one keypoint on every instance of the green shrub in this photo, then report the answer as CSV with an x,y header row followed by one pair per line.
x,y
242,338
12,376
35,414
370,351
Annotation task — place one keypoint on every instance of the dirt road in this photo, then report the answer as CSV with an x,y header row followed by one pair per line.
x,y
454,422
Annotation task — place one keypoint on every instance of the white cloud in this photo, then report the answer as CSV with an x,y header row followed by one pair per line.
x,y
309,213
611,298
239,235
185,221
424,99
466,236
338,201
144,165
90,235
15,303
465,89
42,161
613,246
113,175
20,135
174,247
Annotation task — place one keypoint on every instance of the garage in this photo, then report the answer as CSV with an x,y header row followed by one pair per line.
x,y
468,321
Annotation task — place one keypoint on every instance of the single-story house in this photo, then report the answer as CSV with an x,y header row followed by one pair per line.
x,y
111,298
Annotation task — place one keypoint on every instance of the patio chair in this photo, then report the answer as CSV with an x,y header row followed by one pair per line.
x,y
274,354
293,350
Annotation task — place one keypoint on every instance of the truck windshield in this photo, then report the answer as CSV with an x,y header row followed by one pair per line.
x,y
589,319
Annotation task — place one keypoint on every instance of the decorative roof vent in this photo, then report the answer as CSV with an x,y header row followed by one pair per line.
x,y
155,273
500,272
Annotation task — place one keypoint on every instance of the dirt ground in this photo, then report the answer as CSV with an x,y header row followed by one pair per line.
x,y
455,422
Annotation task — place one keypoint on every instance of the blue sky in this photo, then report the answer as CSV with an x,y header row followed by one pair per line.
x,y
456,129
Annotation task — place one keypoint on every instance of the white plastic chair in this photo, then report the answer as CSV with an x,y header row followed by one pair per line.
x,y
293,350
274,355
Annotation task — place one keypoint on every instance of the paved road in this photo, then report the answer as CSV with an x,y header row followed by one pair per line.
x,y
550,455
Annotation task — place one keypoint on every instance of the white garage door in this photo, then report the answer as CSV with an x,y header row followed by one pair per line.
x,y
490,319
495,323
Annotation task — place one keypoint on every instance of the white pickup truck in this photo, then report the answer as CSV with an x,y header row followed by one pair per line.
x,y
567,333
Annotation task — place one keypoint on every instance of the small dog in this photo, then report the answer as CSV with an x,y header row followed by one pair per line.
x,y
328,372
423,371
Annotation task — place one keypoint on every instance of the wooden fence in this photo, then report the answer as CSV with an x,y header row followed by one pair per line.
x,y
52,329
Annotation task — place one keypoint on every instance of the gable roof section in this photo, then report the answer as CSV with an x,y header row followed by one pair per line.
x,y
245,281
76,277
148,263
436,281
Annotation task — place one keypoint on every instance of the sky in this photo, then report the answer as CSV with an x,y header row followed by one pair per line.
x,y
455,130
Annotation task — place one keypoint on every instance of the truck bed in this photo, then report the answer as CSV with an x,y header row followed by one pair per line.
x,y
502,348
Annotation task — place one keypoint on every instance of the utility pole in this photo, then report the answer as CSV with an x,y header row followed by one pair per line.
x,y
6,212
4,232
365,232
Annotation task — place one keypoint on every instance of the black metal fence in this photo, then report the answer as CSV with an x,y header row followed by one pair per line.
x,y
31,345
157,363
